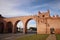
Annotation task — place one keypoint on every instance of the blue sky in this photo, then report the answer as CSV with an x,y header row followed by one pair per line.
x,y
13,8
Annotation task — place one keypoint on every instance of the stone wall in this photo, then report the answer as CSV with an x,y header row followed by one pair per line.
x,y
44,23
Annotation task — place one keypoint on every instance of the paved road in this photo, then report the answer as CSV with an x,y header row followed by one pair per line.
x,y
9,36
12,36
51,37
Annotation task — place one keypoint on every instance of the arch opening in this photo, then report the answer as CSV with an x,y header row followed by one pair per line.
x,y
31,26
1,27
19,26
9,27
52,30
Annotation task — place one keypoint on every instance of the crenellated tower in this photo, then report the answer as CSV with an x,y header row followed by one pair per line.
x,y
44,14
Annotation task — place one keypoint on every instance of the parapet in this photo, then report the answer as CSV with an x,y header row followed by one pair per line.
x,y
57,16
44,14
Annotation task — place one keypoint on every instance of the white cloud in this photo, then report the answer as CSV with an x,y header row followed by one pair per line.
x,y
39,6
20,24
55,4
7,7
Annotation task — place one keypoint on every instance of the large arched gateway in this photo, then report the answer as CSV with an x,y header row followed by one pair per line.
x,y
43,23
31,26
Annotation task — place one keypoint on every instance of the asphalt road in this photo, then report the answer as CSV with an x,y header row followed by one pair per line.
x,y
11,36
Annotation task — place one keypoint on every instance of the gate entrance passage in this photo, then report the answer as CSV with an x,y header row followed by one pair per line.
x,y
52,30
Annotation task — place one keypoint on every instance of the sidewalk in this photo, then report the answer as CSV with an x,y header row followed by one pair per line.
x,y
12,36
51,37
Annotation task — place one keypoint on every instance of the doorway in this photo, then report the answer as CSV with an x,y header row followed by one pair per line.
x,y
52,31
1,27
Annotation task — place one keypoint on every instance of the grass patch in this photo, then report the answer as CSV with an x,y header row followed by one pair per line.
x,y
34,37
58,36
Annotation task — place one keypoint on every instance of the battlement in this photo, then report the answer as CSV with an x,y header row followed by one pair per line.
x,y
57,16
44,14
47,14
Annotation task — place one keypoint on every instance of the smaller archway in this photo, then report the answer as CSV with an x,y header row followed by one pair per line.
x,y
52,30
19,26
9,27
1,27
